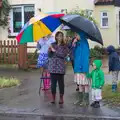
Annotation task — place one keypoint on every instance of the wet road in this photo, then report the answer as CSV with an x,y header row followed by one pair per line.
x,y
25,99
2,117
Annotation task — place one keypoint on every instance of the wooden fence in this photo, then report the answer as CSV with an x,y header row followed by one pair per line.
x,y
13,53
8,52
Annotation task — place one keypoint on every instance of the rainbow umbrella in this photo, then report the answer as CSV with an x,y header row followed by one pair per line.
x,y
38,27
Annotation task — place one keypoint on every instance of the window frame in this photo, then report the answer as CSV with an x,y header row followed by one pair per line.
x,y
102,17
12,33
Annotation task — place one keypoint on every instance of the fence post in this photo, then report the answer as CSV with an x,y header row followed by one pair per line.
x,y
22,56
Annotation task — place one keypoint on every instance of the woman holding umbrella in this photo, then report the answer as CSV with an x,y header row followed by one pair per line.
x,y
81,66
89,30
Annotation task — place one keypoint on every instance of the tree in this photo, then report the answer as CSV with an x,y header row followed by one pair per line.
x,y
85,13
4,13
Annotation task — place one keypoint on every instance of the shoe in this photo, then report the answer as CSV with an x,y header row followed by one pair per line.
x,y
80,98
86,99
92,104
77,89
53,98
97,104
61,101
114,87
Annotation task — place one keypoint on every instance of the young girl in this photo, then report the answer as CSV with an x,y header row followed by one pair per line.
x,y
43,45
56,67
81,66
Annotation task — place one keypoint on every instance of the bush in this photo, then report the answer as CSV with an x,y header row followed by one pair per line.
x,y
95,54
100,49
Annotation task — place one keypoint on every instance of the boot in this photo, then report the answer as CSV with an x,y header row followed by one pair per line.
x,y
61,101
86,99
97,104
77,89
93,103
53,98
80,98
114,87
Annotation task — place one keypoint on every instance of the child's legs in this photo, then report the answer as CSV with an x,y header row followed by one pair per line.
x,y
45,80
93,95
48,80
115,77
46,75
98,94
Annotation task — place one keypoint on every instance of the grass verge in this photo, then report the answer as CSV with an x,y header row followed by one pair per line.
x,y
112,98
8,82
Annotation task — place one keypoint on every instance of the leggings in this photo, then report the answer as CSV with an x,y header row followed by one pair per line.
x,y
54,79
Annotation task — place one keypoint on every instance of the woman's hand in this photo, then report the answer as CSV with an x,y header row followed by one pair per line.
x,y
74,41
52,49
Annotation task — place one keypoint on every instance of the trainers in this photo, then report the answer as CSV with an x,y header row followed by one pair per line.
x,y
77,89
96,105
92,104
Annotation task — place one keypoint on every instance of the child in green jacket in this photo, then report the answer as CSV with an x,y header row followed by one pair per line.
x,y
97,82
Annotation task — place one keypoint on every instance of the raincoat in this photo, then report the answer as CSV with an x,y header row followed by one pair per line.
x,y
81,55
97,75
114,61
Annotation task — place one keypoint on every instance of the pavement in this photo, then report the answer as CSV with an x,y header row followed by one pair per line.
x,y
24,103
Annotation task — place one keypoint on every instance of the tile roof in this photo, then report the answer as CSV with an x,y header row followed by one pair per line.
x,y
103,1
107,2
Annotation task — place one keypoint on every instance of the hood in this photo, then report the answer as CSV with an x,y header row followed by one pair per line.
x,y
110,49
82,35
98,63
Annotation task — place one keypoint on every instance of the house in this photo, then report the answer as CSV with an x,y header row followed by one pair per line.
x,y
23,10
107,15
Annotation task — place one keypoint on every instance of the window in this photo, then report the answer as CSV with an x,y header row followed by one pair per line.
x,y
19,15
104,20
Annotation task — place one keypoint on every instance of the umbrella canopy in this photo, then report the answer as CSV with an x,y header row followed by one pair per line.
x,y
65,27
38,27
78,23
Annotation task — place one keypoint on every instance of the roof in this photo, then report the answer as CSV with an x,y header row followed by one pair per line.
x,y
107,2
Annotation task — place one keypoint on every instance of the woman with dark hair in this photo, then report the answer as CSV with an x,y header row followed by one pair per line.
x,y
57,53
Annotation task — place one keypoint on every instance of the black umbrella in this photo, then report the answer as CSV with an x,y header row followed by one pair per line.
x,y
78,23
